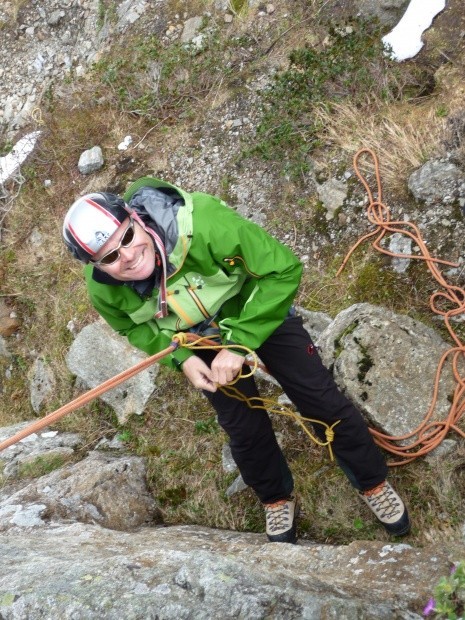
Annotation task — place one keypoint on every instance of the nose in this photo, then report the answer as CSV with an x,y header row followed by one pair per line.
x,y
126,254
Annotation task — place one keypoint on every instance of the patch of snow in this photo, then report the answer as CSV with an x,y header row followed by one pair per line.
x,y
404,41
9,164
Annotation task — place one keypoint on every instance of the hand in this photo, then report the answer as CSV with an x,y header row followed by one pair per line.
x,y
199,374
226,366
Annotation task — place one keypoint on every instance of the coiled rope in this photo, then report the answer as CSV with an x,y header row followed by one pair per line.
x,y
190,341
429,433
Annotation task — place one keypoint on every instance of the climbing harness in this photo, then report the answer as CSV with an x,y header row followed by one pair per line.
x,y
190,341
430,433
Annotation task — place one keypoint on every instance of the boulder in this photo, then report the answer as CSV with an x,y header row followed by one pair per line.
x,y
437,181
97,354
46,445
386,364
103,489
91,160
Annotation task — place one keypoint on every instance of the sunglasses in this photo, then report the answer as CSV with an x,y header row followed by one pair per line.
x,y
128,237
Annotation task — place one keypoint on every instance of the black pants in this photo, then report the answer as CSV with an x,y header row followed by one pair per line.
x,y
293,361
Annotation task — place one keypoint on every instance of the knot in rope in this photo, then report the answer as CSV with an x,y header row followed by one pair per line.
x,y
429,434
180,339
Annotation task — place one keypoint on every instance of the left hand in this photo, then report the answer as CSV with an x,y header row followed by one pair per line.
x,y
226,366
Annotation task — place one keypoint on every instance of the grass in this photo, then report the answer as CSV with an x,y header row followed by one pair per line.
x,y
402,136
346,66
41,465
332,92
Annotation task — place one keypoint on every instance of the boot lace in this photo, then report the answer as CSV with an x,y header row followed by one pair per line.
x,y
278,515
384,501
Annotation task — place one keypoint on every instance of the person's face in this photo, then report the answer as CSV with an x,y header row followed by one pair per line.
x,y
136,261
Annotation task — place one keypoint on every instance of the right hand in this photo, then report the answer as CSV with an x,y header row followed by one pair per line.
x,y
199,374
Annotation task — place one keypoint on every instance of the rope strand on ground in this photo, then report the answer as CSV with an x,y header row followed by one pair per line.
x,y
190,341
429,434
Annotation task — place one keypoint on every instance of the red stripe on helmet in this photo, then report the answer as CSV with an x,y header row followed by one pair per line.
x,y
100,208
83,245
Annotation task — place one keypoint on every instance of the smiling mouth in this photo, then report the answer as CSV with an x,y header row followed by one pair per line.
x,y
137,263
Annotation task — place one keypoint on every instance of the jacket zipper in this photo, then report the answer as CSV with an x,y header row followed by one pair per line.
x,y
197,302
232,261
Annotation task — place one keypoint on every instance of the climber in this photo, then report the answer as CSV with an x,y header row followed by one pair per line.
x,y
159,261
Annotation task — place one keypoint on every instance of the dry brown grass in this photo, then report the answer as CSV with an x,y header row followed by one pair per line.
x,y
403,136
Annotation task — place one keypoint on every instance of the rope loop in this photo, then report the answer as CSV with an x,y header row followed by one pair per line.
x,y
429,434
189,341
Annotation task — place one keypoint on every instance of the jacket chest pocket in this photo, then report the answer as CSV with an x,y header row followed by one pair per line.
x,y
195,297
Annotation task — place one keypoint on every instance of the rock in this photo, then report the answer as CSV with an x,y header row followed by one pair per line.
x,y
332,194
8,326
9,322
191,28
42,383
22,516
386,364
229,463
35,446
437,181
36,238
314,322
400,244
3,348
114,355
103,489
55,18
129,12
236,487
186,572
91,160
446,447
388,12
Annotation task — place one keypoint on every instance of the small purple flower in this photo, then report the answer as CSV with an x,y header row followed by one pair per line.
x,y
453,569
429,607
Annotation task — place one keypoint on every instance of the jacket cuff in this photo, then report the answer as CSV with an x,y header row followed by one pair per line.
x,y
179,356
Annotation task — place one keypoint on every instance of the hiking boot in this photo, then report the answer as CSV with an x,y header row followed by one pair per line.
x,y
281,520
389,509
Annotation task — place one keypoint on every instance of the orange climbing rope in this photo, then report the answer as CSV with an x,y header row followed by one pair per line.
x,y
430,433
191,341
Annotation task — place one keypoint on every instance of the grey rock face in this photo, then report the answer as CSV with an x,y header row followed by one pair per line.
x,y
192,572
191,27
400,244
437,182
100,489
388,12
53,38
98,354
386,364
3,348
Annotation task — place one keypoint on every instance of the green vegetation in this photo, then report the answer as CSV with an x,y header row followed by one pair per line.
x,y
163,84
42,465
348,64
449,596
332,91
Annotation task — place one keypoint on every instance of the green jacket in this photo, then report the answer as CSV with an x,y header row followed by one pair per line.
x,y
219,264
